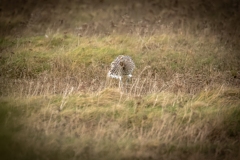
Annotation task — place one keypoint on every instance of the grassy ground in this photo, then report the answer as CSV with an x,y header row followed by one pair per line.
x,y
57,103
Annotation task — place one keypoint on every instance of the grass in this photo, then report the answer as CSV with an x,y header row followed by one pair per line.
x,y
57,103
110,125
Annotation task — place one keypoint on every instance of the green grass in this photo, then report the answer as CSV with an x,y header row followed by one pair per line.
x,y
40,54
179,102
93,125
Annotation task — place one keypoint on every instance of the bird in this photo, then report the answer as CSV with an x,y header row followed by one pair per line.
x,y
121,66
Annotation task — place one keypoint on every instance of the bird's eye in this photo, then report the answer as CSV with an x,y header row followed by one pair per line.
x,y
121,63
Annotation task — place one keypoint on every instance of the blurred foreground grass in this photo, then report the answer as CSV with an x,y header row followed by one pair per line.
x,y
112,125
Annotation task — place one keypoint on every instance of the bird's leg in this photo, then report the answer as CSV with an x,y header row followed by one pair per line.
x,y
120,84
128,80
